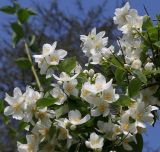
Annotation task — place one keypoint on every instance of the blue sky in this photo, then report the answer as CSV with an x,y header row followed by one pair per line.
x,y
153,7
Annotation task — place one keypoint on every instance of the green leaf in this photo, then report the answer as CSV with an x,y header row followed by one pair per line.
x,y
24,14
140,76
123,101
116,61
62,110
18,32
147,23
134,87
22,125
17,28
1,106
8,9
157,44
119,75
67,65
23,63
139,146
45,102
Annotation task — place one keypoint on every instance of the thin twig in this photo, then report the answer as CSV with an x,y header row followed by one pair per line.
x,y
32,67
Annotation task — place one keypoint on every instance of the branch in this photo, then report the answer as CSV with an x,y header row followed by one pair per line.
x,y
32,67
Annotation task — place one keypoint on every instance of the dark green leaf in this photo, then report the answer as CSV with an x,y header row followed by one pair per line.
x,y
18,32
139,146
1,106
134,87
23,63
24,14
45,102
67,65
8,9
22,125
147,23
123,101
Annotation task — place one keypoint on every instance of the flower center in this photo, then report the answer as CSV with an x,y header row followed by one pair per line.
x,y
85,92
107,96
54,59
69,88
126,126
102,107
16,106
138,116
41,115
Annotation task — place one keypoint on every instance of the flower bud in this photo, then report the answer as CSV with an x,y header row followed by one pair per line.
x,y
91,72
59,82
72,127
149,66
136,64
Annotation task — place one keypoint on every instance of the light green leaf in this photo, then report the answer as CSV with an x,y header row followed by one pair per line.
x,y
134,87
157,44
62,110
45,102
140,76
123,101
67,65
119,75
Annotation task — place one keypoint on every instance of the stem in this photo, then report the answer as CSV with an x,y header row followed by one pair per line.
x,y
123,58
32,67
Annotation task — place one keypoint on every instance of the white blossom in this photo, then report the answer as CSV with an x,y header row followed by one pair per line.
x,y
16,104
75,117
95,141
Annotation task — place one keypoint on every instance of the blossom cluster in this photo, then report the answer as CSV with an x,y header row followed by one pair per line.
x,y
84,107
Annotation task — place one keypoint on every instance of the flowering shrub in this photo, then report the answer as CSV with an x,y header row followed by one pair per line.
x,y
83,110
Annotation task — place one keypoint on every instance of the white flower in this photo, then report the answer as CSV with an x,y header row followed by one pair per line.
x,y
120,15
127,126
32,144
58,94
128,19
44,115
16,104
70,87
93,43
95,141
41,129
99,85
75,117
101,107
49,56
62,124
110,129
149,66
94,46
127,140
147,96
142,113
109,95
65,77
31,97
